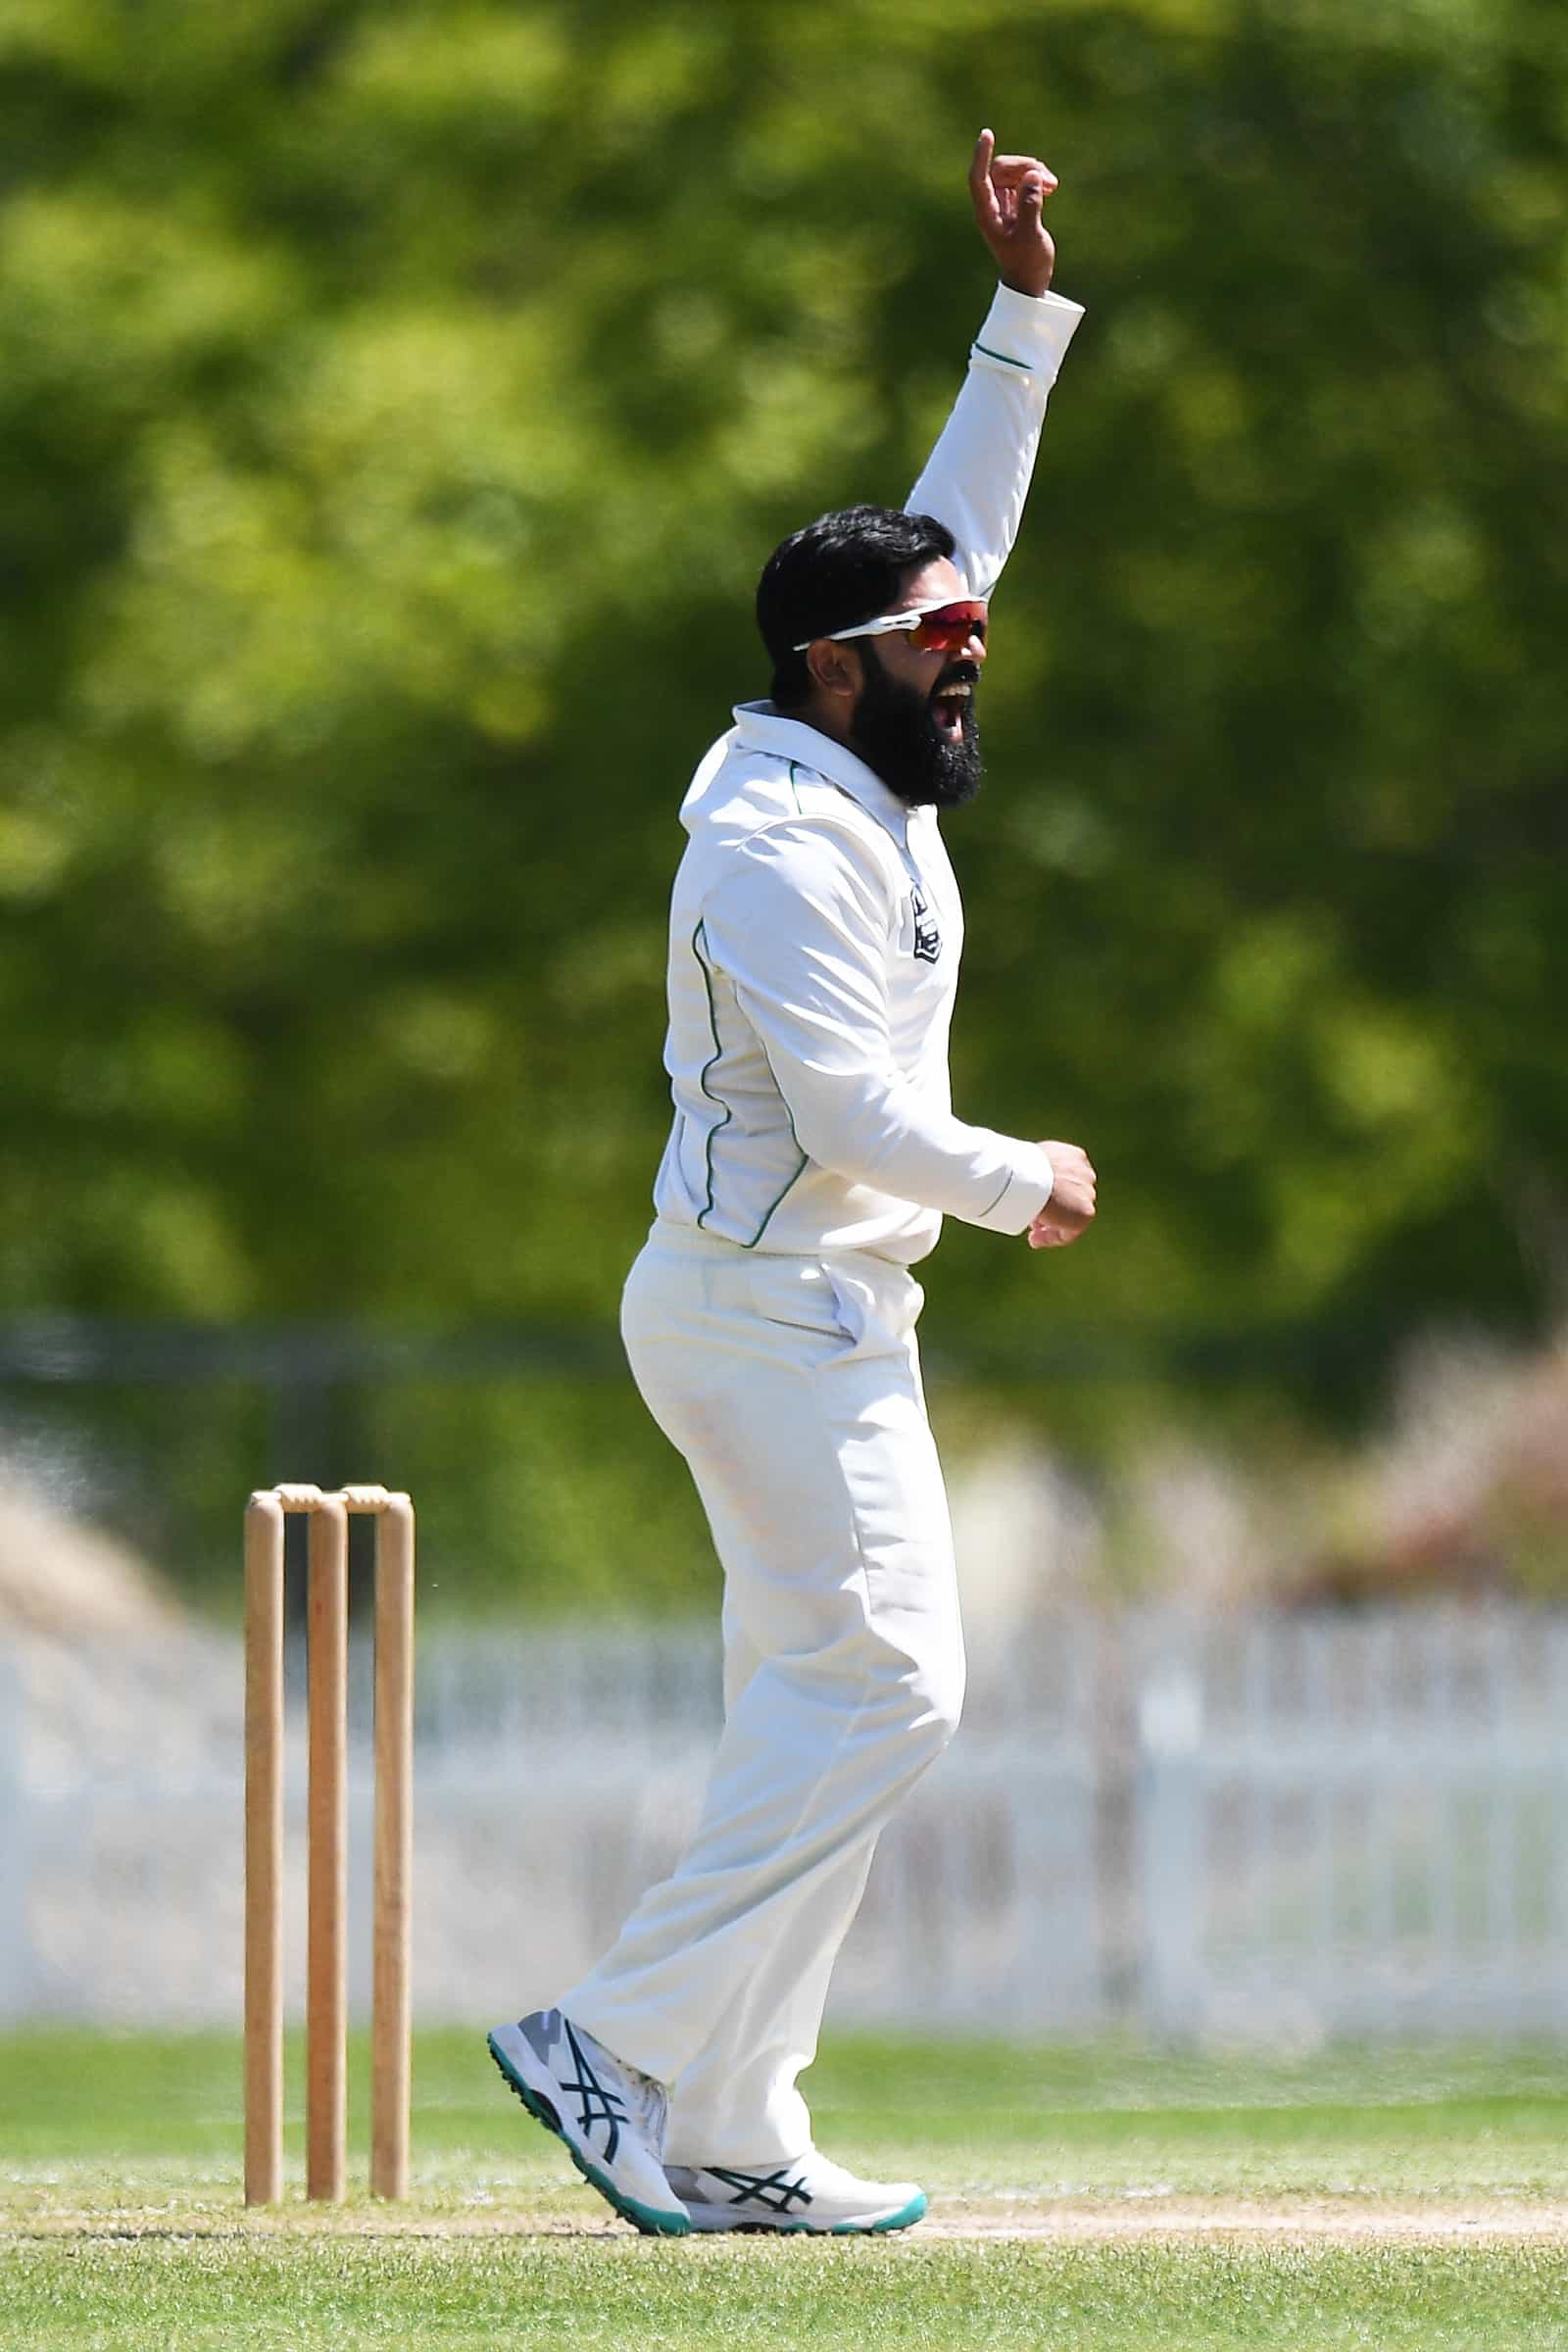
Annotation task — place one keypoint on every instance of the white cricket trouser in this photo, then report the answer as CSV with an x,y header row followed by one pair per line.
x,y
792,1387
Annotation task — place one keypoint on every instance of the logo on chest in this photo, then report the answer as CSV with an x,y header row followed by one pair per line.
x,y
927,937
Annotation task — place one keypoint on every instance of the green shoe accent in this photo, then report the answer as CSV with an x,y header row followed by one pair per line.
x,y
905,2219
646,2217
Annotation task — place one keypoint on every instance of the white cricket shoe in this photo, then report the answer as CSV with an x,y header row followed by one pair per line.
x,y
813,2193
610,2117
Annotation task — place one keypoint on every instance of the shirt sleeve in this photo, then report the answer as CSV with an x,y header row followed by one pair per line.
x,y
800,926
977,478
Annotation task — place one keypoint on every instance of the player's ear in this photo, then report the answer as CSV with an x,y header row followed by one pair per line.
x,y
835,669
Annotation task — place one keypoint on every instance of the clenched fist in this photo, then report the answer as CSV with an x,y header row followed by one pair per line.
x,y
1071,1210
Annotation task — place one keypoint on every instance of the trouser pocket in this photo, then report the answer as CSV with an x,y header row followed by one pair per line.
x,y
877,1305
798,1294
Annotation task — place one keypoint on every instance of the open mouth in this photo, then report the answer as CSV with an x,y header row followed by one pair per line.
x,y
949,708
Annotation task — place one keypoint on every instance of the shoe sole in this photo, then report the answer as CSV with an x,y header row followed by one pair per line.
x,y
712,2220
646,2217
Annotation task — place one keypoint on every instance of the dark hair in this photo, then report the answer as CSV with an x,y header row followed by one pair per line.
x,y
845,567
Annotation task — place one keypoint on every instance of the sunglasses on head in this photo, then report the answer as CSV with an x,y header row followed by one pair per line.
x,y
942,629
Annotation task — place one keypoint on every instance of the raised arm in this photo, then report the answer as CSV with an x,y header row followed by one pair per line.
x,y
977,478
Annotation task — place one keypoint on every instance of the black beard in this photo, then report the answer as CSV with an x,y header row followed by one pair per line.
x,y
896,735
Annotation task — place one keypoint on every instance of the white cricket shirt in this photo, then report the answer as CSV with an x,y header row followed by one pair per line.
x,y
815,927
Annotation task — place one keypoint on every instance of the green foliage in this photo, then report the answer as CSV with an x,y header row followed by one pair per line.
x,y
396,405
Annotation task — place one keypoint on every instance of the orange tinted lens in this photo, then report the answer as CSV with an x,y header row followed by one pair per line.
x,y
950,629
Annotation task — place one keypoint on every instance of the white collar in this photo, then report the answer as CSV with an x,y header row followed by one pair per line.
x,y
760,728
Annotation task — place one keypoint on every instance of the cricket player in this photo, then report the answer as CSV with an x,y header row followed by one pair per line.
x,y
814,941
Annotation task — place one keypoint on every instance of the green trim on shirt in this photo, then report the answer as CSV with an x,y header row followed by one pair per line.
x,y
1001,1197
782,1197
794,1139
701,932
795,788
1022,366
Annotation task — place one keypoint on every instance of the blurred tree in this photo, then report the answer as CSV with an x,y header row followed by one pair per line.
x,y
396,405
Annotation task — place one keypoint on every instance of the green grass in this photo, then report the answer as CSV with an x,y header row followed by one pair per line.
x,y
1354,2198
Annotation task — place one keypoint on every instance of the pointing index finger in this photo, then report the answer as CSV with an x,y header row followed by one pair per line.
x,y
987,210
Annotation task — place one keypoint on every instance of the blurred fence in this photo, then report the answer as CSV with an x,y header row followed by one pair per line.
x,y
1266,1828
